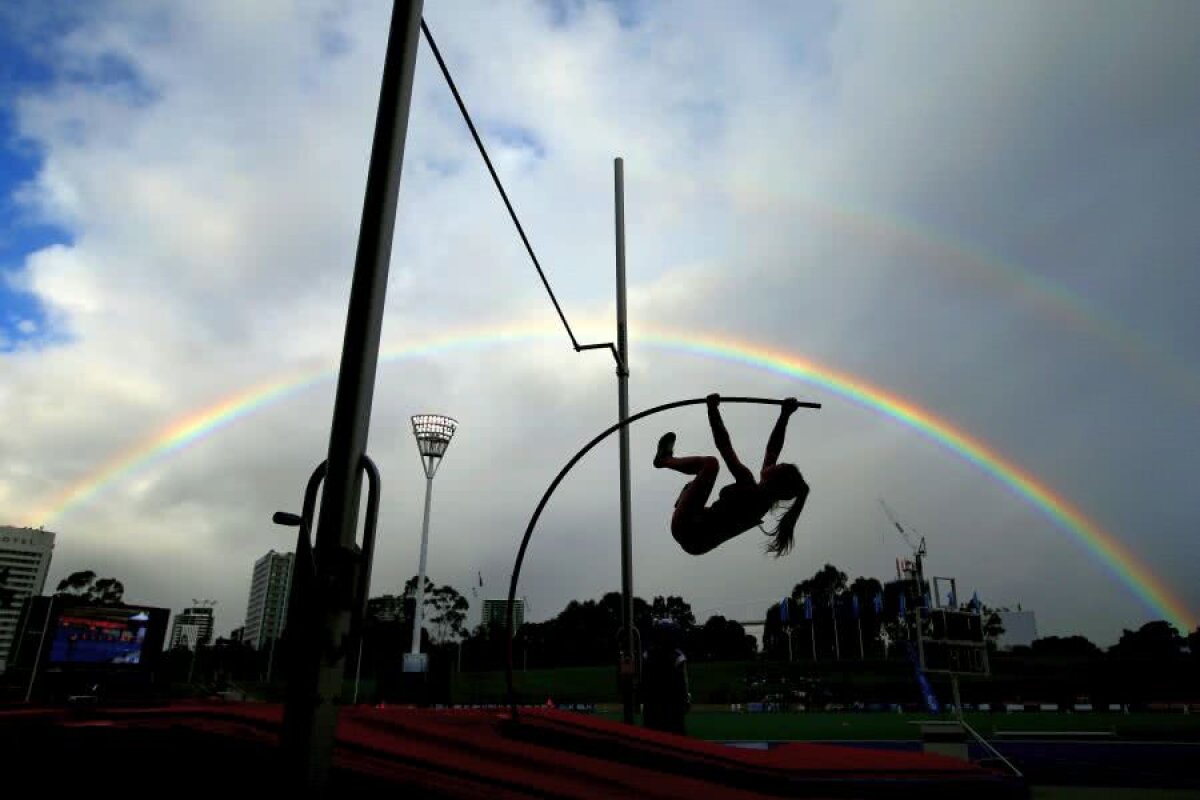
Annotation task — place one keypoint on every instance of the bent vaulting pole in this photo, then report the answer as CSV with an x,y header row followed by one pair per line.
x,y
629,657
537,513
310,717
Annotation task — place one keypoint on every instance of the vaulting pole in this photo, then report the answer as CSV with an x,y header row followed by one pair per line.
x,y
558,479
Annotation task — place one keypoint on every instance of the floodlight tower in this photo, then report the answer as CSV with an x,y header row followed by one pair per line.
x,y
433,433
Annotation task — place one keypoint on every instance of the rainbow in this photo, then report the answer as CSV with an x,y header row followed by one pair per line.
x,y
1105,546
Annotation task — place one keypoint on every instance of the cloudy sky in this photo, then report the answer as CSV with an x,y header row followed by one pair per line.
x,y
984,211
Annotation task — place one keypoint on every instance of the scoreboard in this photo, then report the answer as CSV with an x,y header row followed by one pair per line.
x,y
951,641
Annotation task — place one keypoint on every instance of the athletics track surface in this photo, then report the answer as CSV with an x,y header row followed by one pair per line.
x,y
440,753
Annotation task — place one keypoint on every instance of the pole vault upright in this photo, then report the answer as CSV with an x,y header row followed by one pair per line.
x,y
628,647
323,639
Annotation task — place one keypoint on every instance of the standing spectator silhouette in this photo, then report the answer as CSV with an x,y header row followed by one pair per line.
x,y
665,694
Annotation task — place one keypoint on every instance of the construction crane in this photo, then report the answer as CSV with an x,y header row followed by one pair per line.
x,y
919,549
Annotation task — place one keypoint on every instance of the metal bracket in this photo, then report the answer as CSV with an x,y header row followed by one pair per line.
x,y
336,575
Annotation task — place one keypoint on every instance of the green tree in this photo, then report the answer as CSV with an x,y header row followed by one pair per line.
x,y
673,607
1157,640
823,590
410,587
447,613
865,590
993,626
720,639
776,631
444,610
86,589
1064,647
387,636
828,582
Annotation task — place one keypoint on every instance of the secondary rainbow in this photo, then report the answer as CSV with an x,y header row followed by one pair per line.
x,y
926,245
1107,548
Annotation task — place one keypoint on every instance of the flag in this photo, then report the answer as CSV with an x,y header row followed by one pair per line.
x,y
783,611
480,579
854,604
903,606
878,603
807,607
951,600
975,604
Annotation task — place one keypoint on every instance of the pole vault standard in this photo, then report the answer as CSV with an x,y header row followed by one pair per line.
x,y
537,513
620,354
318,668
629,656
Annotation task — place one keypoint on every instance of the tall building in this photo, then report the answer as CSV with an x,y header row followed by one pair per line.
x,y
266,610
495,612
192,628
24,561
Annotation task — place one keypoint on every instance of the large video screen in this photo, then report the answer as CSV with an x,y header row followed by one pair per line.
x,y
85,635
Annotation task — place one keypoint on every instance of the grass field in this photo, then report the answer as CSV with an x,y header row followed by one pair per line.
x,y
822,726
720,684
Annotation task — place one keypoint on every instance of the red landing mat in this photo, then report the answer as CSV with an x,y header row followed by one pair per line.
x,y
436,753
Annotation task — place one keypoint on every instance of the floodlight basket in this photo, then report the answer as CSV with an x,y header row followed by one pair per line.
x,y
433,433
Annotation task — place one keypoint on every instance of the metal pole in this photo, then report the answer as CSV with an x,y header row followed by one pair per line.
x,y
368,556
419,608
957,700
812,632
271,658
357,670
37,658
989,747
310,717
622,416
837,646
861,654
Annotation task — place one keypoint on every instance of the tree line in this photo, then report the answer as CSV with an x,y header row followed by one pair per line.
x,y
825,617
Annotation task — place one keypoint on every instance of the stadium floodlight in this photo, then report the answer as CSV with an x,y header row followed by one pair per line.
x,y
433,433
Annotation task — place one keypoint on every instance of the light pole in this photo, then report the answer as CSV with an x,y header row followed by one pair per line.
x,y
837,647
433,433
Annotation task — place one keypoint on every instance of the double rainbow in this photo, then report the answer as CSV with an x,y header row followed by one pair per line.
x,y
1105,546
